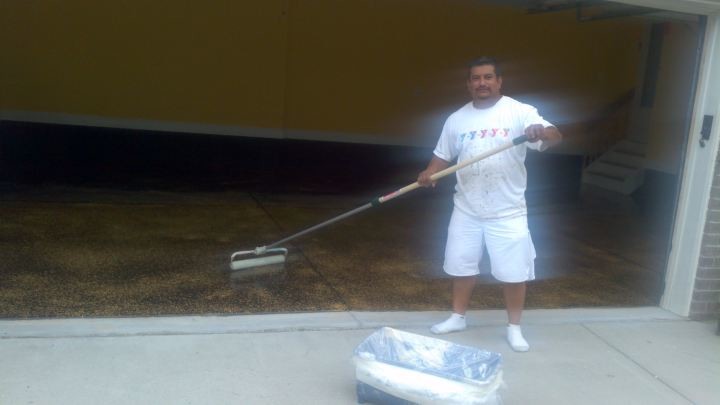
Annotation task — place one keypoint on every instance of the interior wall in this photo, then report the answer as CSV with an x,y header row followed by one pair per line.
x,y
667,120
392,69
184,61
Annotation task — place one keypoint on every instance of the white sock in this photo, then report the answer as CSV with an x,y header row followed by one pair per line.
x,y
455,323
516,339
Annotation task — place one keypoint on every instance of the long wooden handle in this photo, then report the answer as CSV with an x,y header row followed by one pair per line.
x,y
397,193
453,169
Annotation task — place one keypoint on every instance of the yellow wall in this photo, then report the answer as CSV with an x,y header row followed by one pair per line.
x,y
218,62
391,68
397,67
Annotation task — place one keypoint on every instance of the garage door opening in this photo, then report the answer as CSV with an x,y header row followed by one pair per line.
x,y
115,207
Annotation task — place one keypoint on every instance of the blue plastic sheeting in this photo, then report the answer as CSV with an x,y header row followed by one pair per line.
x,y
431,356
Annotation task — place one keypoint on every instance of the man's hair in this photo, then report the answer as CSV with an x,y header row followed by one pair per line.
x,y
485,60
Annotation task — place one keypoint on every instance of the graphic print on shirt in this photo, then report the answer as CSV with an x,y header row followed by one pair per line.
x,y
483,178
472,150
495,186
489,133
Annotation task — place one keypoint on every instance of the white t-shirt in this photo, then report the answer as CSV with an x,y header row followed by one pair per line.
x,y
495,186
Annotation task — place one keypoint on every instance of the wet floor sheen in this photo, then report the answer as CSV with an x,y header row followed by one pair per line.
x,y
77,252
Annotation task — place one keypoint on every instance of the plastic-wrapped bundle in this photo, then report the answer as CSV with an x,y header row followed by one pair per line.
x,y
425,370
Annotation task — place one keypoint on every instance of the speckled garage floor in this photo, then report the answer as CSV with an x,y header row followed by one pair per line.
x,y
77,252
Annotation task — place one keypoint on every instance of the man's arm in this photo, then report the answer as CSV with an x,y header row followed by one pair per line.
x,y
549,135
436,164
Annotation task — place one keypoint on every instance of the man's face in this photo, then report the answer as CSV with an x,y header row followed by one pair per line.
x,y
483,83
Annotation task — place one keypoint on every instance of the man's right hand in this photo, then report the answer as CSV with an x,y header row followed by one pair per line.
x,y
425,180
436,164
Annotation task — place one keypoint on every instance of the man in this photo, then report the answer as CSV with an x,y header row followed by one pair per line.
x,y
490,207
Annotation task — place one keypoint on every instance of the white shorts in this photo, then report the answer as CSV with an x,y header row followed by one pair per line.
x,y
508,241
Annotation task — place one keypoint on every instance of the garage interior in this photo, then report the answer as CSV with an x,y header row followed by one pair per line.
x,y
109,207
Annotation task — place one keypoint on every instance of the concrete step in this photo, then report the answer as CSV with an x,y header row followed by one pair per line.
x,y
622,185
620,157
609,168
621,169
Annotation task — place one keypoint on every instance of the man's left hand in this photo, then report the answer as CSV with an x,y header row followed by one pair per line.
x,y
535,132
